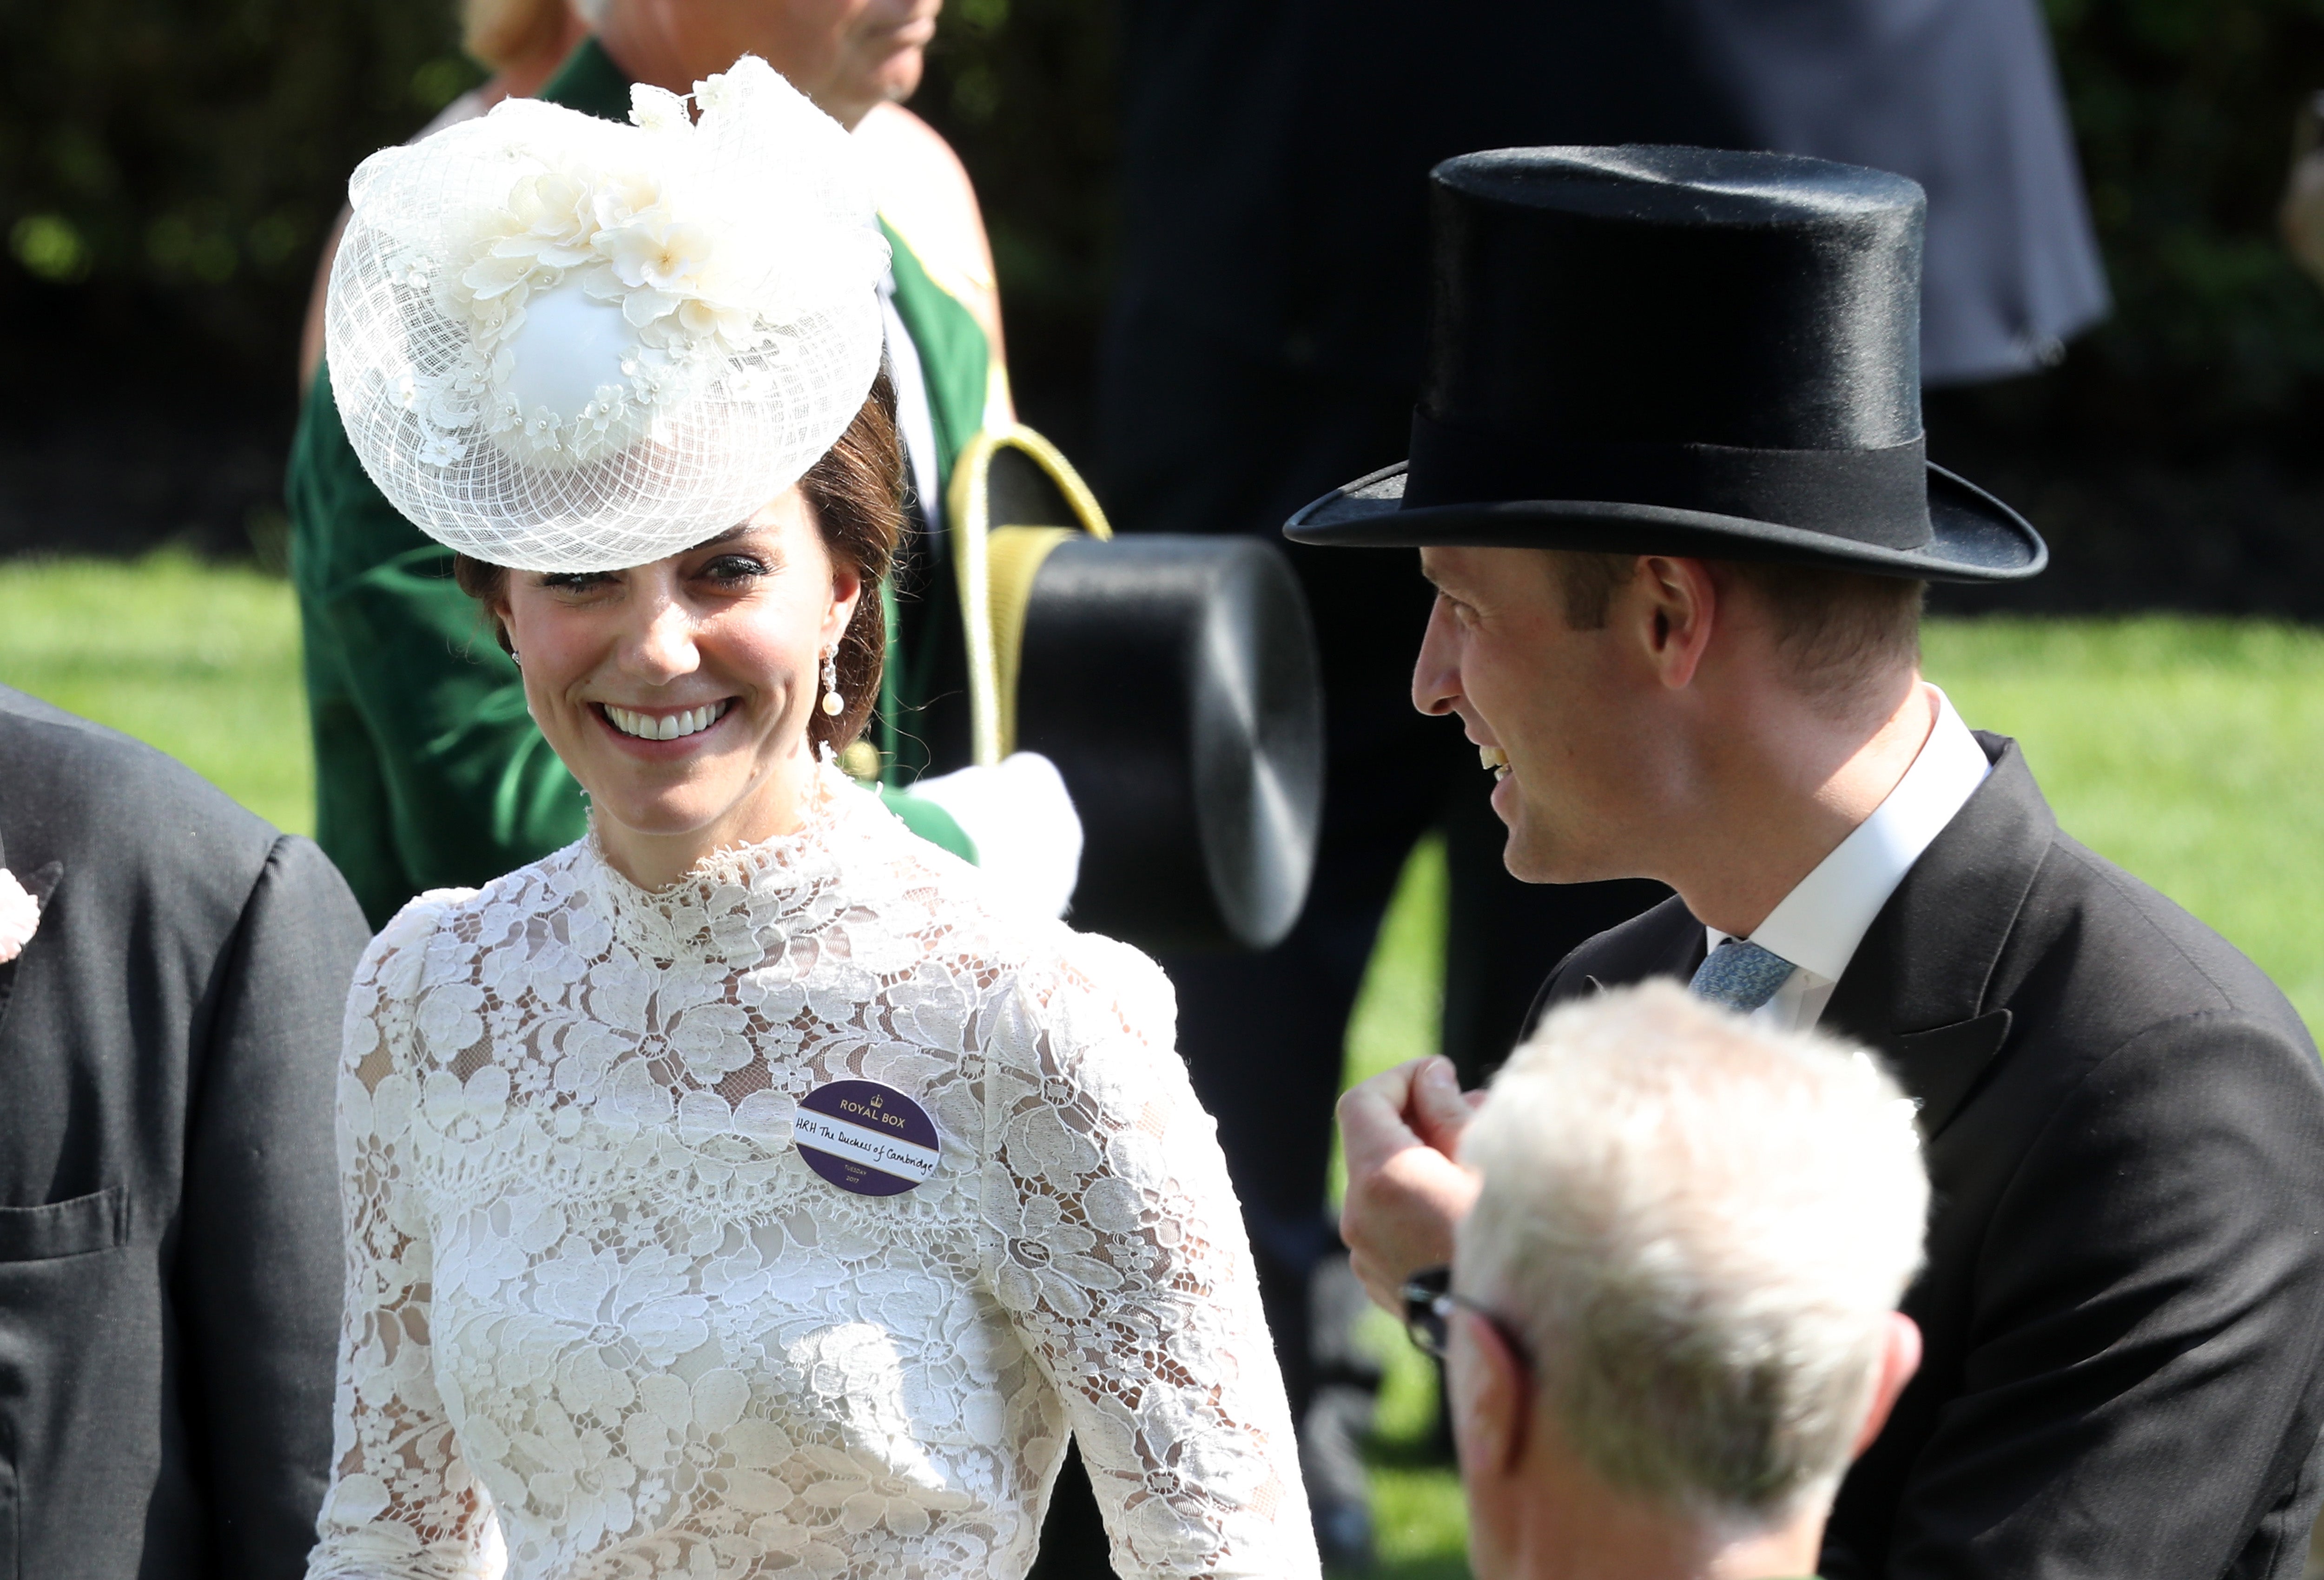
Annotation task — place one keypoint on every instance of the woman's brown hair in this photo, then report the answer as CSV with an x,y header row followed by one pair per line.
x,y
857,491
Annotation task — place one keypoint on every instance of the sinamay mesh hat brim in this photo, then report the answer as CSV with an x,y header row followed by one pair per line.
x,y
561,344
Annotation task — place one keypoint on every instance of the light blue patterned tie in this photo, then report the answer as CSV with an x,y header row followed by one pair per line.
x,y
1740,974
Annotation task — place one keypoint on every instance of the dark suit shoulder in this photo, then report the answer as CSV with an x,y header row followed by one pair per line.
x,y
71,786
2125,1265
1659,943
2120,958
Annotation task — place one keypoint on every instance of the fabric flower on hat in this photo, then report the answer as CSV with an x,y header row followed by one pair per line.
x,y
653,251
562,344
20,916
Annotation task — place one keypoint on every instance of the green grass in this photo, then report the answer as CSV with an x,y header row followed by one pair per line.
x,y
199,660
2190,751
1415,1504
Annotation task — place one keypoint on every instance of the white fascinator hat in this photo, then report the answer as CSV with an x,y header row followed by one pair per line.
x,y
562,344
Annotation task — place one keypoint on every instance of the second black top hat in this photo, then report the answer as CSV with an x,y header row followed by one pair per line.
x,y
1683,351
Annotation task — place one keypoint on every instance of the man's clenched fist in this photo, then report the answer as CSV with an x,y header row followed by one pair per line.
x,y
1401,1131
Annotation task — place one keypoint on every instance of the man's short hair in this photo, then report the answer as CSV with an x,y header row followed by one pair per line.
x,y
1836,629
1697,1227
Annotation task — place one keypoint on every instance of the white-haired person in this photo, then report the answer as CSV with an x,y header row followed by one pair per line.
x,y
750,1188
1672,1317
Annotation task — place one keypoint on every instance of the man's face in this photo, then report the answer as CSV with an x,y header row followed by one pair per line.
x,y
1558,705
847,55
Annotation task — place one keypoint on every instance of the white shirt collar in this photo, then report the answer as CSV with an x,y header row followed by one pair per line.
x,y
1818,925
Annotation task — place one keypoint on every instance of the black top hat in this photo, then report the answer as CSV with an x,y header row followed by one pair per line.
x,y
1678,351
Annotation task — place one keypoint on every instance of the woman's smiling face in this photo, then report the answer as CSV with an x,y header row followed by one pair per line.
x,y
678,693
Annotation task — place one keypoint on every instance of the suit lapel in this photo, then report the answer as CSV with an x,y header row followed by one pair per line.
x,y
1916,988
1939,1066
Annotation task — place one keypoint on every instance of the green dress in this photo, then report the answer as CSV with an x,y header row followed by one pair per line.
x,y
428,771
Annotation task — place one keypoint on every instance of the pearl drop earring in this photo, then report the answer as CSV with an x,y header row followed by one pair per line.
x,y
833,703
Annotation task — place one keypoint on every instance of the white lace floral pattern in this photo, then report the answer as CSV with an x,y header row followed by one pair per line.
x,y
599,1309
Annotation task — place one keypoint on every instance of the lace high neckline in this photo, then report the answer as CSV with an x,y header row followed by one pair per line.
x,y
725,905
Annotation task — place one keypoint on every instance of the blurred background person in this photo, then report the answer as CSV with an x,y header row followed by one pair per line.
x,y
172,975
1671,1320
1264,347
429,773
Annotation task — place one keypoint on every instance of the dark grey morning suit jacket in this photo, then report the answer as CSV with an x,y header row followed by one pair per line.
x,y
171,1268
2124,1301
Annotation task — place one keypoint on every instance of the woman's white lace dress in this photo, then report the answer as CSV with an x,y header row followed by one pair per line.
x,y
600,1310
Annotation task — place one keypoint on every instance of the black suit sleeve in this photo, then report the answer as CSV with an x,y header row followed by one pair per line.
x,y
259,1265
2135,1394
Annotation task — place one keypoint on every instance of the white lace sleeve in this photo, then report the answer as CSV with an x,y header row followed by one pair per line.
x,y
402,1506
1115,1242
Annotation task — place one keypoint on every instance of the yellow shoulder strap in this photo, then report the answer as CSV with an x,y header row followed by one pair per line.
x,y
997,565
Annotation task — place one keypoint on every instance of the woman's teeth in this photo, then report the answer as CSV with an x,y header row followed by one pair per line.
x,y
1495,759
666,726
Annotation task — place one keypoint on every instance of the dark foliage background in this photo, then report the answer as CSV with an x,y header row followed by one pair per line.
x,y
2171,459
168,167
168,170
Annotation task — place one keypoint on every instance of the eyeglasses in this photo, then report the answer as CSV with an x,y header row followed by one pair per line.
x,y
1429,1303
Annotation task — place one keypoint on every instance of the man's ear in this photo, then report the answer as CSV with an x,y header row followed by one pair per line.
x,y
1492,1399
1676,602
1900,1357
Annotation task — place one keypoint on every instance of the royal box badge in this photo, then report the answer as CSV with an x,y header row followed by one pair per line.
x,y
866,1137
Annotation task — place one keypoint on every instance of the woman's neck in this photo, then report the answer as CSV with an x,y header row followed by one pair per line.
x,y
654,859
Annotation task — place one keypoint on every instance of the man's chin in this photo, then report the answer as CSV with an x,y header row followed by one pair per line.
x,y
1528,868
1533,855
1526,861
897,78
